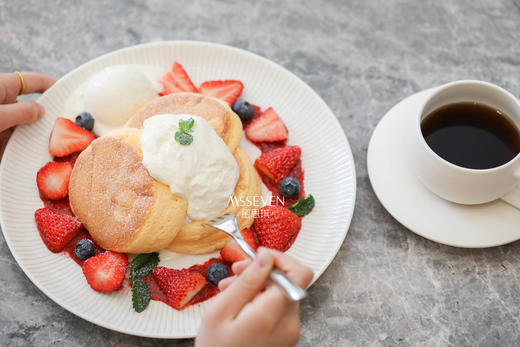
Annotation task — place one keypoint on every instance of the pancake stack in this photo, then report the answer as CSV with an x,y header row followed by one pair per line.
x,y
126,210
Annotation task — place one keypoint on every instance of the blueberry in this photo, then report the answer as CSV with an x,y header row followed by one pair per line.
x,y
289,187
84,249
85,120
243,109
216,272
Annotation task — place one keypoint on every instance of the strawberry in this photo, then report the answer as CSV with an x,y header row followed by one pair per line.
x,y
68,137
278,163
232,251
276,227
53,180
60,206
176,80
71,158
105,272
228,91
267,127
56,229
180,286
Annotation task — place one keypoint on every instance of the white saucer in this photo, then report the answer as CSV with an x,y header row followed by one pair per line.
x,y
421,211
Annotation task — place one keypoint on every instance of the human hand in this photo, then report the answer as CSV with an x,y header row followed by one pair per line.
x,y
251,310
13,113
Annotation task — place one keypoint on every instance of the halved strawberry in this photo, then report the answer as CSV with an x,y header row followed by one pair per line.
x,y
277,164
56,229
176,80
276,227
180,286
60,206
68,137
53,180
71,158
232,251
105,272
267,127
228,91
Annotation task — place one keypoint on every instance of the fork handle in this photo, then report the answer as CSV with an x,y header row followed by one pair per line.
x,y
291,289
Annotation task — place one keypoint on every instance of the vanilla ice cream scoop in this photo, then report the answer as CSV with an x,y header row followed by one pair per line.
x,y
114,93
204,171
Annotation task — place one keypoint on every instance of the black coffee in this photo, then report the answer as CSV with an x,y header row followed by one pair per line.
x,y
471,135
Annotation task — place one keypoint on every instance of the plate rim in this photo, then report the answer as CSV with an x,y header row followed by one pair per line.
x,y
344,145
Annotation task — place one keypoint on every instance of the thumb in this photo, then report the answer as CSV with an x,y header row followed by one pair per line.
x,y
246,286
20,113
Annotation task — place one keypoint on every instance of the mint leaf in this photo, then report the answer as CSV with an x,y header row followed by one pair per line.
x,y
140,295
303,206
140,267
183,138
143,264
185,126
139,261
148,266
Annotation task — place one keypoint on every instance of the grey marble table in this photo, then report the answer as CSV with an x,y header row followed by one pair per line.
x,y
387,286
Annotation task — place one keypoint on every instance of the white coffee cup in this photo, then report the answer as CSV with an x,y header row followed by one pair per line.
x,y
459,184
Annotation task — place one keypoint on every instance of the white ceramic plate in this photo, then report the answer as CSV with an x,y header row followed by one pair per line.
x,y
327,160
402,194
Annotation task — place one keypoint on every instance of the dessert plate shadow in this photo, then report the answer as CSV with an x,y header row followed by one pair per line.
x,y
328,163
407,200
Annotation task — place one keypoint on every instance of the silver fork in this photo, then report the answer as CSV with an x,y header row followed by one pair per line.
x,y
228,224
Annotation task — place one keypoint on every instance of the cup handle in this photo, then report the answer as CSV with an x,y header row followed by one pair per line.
x,y
513,197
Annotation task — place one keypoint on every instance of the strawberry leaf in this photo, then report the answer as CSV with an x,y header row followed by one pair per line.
x,y
303,206
140,295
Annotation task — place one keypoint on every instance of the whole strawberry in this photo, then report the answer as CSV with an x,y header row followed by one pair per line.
x,y
276,227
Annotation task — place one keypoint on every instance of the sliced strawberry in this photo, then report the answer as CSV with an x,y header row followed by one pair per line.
x,y
176,80
68,137
180,286
53,180
267,127
276,227
228,91
278,163
59,206
257,111
71,158
56,229
232,251
105,272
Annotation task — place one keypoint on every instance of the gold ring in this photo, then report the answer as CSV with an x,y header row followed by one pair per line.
x,y
22,81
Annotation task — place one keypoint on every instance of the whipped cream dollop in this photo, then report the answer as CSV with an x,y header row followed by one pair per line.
x,y
114,94
204,172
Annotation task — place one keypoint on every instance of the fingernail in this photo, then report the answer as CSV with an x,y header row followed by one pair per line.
x,y
41,109
263,257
